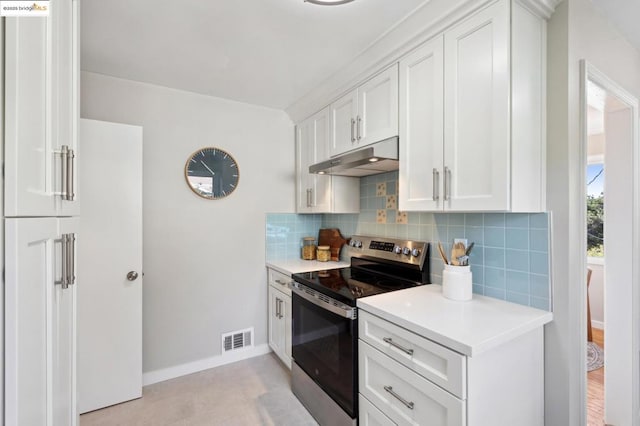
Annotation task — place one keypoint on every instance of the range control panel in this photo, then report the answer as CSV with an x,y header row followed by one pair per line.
x,y
405,251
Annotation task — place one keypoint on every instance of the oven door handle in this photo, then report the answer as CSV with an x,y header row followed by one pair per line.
x,y
323,301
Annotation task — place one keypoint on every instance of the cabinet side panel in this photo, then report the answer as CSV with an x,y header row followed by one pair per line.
x,y
506,384
528,69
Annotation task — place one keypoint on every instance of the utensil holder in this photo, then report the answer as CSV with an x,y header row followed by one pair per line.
x,y
457,282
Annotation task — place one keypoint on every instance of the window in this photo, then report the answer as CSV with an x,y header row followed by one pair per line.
x,y
595,209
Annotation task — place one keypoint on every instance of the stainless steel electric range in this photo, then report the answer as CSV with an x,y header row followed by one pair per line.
x,y
325,326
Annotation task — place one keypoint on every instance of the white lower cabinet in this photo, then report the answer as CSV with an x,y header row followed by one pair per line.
x,y
280,315
40,322
406,379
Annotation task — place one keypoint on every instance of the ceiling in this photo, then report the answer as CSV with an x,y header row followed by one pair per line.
x,y
624,14
264,52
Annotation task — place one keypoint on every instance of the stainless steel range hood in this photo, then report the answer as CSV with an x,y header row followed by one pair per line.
x,y
379,157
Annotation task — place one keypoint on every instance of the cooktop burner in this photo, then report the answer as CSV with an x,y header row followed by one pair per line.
x,y
378,265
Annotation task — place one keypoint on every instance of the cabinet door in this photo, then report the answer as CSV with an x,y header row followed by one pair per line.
x,y
286,312
40,326
404,396
304,158
476,114
313,191
275,329
377,117
421,128
65,97
343,124
41,111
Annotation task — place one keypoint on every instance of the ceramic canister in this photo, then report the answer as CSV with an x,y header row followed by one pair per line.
x,y
457,282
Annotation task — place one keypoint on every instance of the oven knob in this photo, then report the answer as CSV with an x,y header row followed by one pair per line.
x,y
415,252
352,243
397,249
406,251
357,244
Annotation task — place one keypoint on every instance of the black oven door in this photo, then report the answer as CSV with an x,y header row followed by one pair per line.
x,y
324,345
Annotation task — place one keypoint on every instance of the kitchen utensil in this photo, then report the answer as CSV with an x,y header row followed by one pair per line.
x,y
441,250
457,251
463,260
331,237
469,248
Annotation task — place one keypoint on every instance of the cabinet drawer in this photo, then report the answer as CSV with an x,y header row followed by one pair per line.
x,y
404,396
369,415
435,362
280,281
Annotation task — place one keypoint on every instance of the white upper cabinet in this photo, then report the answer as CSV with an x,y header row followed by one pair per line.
x,y
421,127
367,114
476,112
321,193
41,112
471,113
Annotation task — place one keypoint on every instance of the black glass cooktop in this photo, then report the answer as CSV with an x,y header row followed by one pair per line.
x,y
361,280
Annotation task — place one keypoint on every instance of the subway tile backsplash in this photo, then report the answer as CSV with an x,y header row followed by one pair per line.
x,y
509,261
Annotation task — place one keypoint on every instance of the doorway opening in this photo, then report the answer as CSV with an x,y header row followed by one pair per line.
x,y
611,194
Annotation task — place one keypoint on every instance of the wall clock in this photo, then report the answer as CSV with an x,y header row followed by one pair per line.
x,y
212,173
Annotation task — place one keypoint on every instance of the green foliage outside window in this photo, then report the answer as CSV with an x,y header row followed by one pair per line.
x,y
595,225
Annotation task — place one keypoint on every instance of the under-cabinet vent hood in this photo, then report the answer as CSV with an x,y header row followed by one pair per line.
x,y
379,157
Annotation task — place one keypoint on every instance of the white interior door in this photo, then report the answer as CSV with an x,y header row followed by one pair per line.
x,y
109,304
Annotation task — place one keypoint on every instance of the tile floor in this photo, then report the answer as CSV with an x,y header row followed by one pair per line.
x,y
252,392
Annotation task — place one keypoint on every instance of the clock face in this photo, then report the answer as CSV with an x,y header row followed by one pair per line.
x,y
212,173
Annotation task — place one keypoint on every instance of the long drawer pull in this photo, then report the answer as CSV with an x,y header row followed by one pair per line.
x,y
402,348
408,404
282,282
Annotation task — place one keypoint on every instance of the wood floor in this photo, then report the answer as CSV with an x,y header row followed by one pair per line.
x,y
595,388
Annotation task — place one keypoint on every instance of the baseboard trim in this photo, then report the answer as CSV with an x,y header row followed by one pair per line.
x,y
597,324
163,374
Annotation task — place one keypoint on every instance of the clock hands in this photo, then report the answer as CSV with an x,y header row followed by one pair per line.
x,y
204,164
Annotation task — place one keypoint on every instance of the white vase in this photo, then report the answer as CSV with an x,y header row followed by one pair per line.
x,y
457,282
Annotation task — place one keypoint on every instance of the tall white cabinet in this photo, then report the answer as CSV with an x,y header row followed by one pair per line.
x,y
40,82
472,121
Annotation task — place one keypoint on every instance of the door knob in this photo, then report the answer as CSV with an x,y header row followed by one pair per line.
x,y
132,275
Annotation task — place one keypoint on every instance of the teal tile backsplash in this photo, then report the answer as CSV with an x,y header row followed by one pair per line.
x,y
509,261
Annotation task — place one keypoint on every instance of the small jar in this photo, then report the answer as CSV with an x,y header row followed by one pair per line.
x,y
324,253
308,251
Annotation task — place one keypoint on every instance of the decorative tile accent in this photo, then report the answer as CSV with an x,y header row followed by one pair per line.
x,y
381,216
402,217
392,202
381,189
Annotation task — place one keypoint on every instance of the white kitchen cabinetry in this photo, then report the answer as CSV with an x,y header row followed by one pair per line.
x,y
367,114
40,322
321,193
280,315
41,112
414,380
472,127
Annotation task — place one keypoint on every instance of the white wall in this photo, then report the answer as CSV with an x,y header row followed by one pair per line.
x,y
204,261
596,292
576,31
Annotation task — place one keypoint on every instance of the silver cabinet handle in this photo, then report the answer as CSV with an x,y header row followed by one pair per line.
x,y
353,123
280,310
64,279
311,200
447,183
436,184
71,160
71,247
277,308
64,167
402,348
407,404
359,124
282,283
308,197
132,275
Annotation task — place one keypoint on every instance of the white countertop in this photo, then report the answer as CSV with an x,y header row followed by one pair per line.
x,y
294,266
470,327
